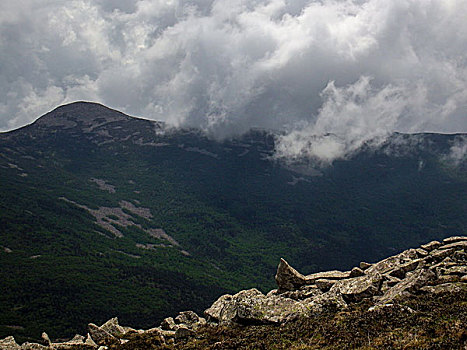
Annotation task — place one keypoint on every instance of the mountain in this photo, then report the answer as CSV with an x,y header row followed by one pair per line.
x,y
103,214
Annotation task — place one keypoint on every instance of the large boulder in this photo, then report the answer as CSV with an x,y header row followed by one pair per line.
x,y
456,245
287,278
325,284
188,319
253,307
223,309
431,246
364,265
112,327
402,269
169,324
455,239
358,288
101,336
439,254
412,282
356,272
392,263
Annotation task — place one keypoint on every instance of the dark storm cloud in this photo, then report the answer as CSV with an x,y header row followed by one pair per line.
x,y
356,69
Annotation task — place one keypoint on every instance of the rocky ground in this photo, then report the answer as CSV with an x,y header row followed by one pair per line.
x,y
414,300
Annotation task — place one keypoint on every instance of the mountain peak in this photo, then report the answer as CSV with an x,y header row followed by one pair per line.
x,y
86,114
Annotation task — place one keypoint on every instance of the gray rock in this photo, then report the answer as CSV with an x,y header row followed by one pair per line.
x,y
331,300
431,246
304,292
128,330
455,239
90,342
401,270
155,331
162,334
393,262
287,278
455,270
446,263
77,343
389,281
364,265
112,327
412,282
45,338
385,287
252,306
167,334
356,272
222,309
184,332
100,336
273,292
456,245
421,252
9,343
169,324
325,284
358,288
439,255
188,318
441,288
329,275
448,279
460,257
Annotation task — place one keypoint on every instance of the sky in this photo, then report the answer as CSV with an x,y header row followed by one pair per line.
x,y
336,72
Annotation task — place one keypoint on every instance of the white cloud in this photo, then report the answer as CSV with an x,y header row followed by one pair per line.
x,y
458,151
226,66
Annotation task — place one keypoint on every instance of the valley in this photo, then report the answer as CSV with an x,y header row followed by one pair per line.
x,y
103,215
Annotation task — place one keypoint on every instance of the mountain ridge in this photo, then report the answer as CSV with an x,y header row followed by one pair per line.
x,y
229,205
94,110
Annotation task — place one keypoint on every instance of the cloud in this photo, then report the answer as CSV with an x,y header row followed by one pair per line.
x,y
353,69
458,151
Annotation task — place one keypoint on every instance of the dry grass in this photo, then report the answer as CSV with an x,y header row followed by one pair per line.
x,y
436,323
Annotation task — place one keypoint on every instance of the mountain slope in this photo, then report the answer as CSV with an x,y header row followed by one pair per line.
x,y
414,300
102,214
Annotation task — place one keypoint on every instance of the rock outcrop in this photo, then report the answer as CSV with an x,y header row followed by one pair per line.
x,y
288,278
434,268
251,306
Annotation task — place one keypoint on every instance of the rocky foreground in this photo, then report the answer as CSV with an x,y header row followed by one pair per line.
x,y
419,295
